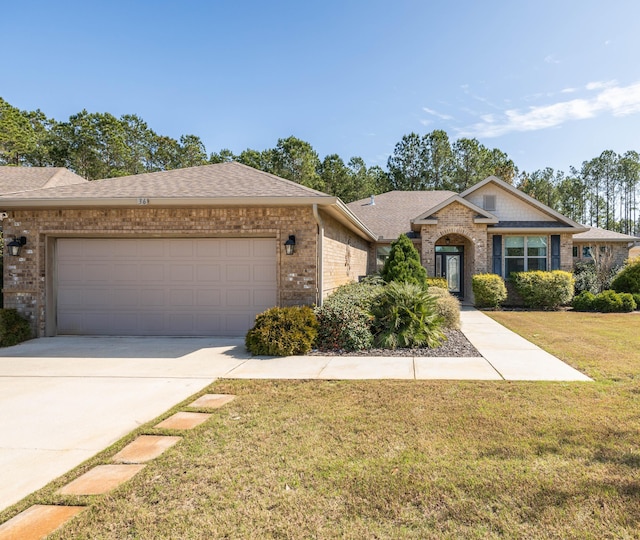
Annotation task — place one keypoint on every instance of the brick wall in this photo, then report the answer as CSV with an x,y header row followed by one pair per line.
x,y
25,277
345,256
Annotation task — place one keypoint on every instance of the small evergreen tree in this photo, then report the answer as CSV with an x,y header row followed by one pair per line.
x,y
403,263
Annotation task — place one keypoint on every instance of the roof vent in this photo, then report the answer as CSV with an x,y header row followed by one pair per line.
x,y
373,200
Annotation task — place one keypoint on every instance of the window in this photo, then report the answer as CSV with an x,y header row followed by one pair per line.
x,y
489,202
382,254
522,253
586,252
575,252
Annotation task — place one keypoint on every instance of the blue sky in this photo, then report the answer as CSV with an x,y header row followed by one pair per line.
x,y
552,83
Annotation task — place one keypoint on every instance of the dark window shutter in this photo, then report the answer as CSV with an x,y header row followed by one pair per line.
x,y
497,254
555,252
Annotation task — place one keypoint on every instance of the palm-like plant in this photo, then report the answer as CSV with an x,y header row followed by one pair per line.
x,y
405,316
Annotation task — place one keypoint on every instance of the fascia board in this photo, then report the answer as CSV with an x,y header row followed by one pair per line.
x,y
534,230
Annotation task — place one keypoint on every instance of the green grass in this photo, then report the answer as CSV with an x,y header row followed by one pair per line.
x,y
401,459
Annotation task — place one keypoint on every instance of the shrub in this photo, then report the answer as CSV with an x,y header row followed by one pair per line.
x,y
628,302
14,328
439,282
344,317
584,301
405,316
628,279
282,331
608,302
488,290
586,279
447,307
546,290
403,263
636,299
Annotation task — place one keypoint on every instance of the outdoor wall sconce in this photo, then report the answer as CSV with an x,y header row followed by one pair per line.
x,y
290,245
447,240
15,245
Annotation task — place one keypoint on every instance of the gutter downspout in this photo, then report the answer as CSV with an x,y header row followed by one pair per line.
x,y
319,246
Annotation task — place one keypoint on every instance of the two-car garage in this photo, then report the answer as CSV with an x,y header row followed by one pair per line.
x,y
162,286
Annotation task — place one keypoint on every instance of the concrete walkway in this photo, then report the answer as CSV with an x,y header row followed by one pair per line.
x,y
62,400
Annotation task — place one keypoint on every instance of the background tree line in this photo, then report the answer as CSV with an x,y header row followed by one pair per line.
x,y
603,192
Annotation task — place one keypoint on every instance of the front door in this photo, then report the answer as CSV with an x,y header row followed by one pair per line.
x,y
449,261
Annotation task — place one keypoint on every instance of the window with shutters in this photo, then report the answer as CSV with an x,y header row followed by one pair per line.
x,y
522,253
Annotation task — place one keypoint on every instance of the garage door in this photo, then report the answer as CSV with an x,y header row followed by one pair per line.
x,y
163,287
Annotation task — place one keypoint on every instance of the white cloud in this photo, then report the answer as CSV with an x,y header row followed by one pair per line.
x,y
436,114
568,90
551,59
612,99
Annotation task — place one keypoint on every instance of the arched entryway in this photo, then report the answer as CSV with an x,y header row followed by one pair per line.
x,y
454,257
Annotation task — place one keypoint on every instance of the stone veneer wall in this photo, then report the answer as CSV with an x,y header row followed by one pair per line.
x,y
345,256
25,277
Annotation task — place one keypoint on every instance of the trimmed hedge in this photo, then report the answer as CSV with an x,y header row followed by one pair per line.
x,y
628,279
544,290
438,282
283,331
14,328
488,290
605,302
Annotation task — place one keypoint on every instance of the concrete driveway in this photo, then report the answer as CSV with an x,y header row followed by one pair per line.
x,y
64,399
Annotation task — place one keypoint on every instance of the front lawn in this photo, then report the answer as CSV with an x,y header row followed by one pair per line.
x,y
409,459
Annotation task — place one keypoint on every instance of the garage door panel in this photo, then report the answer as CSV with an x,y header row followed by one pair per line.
x,y
150,298
163,286
208,272
153,272
239,273
209,298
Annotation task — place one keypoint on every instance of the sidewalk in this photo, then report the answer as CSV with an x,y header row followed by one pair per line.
x,y
505,356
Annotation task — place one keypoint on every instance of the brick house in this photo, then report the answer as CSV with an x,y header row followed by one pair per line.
x,y
196,251
490,227
202,250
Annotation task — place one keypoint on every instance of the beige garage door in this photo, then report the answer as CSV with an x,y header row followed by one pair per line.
x,y
163,287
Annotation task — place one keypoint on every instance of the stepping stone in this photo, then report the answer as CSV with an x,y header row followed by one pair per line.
x,y
38,521
101,479
212,401
184,420
145,448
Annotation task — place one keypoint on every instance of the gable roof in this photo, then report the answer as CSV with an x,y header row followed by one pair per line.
x,y
564,221
218,181
595,234
21,179
482,216
390,216
220,185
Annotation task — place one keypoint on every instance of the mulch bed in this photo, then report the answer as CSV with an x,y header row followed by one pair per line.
x,y
456,345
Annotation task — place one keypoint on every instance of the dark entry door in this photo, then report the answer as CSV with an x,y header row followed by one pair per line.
x,y
449,262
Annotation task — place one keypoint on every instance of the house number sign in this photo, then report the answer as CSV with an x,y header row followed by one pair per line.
x,y
143,201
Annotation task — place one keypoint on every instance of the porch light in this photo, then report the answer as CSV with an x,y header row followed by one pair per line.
x,y
290,245
15,245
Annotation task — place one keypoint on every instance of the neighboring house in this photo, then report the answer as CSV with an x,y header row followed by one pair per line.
x,y
18,179
196,251
611,246
490,227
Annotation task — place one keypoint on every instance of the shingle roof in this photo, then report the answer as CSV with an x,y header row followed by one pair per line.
x,y
221,180
530,225
393,211
21,179
595,234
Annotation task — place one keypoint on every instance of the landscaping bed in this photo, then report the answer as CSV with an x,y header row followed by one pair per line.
x,y
456,345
